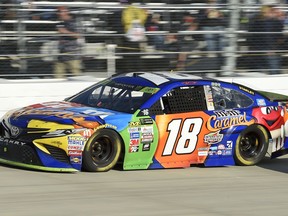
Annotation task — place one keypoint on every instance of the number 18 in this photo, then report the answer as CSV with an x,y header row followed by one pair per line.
x,y
188,139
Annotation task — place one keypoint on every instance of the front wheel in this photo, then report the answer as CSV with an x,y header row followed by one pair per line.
x,y
102,151
251,145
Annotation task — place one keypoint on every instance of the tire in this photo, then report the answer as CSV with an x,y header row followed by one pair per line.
x,y
102,151
251,146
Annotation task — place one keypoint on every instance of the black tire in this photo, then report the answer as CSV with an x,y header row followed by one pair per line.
x,y
102,151
251,146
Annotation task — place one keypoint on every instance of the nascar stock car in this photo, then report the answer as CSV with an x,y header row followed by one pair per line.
x,y
147,121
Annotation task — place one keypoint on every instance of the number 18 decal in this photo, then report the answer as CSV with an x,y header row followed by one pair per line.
x,y
188,138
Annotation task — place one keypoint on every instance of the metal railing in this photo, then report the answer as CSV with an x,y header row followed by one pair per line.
x,y
29,45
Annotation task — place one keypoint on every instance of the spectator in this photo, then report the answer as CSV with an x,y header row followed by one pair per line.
x,y
133,20
212,19
171,45
68,44
187,42
266,37
153,25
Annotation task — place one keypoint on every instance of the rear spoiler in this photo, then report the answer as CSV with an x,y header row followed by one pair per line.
x,y
274,96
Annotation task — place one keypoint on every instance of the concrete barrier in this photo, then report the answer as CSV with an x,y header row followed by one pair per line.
x,y
19,93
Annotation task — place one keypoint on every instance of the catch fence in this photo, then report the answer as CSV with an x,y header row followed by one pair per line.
x,y
243,43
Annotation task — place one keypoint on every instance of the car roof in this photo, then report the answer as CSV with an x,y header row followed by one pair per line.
x,y
159,78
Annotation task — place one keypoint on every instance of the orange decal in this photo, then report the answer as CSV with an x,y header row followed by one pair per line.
x,y
181,139
86,124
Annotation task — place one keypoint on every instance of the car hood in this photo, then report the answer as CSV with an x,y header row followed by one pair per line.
x,y
59,112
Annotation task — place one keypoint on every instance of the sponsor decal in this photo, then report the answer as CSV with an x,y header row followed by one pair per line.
x,y
260,102
15,131
74,152
133,149
210,105
249,91
106,126
146,147
150,90
145,112
221,147
202,153
124,85
145,121
147,138
75,147
213,148
6,141
219,152
134,145
86,133
147,129
213,138
133,129
215,122
271,117
209,97
135,135
76,159
134,124
229,144
73,140
227,152
227,113
134,142
189,82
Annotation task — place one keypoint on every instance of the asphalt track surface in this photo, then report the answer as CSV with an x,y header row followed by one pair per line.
x,y
257,190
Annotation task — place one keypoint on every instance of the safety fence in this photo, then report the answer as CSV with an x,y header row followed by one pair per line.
x,y
219,39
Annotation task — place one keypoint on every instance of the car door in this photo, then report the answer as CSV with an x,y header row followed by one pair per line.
x,y
182,126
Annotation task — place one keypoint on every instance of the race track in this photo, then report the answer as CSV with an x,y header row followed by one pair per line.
x,y
258,190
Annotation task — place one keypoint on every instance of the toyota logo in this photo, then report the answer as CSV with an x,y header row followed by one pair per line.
x,y
14,131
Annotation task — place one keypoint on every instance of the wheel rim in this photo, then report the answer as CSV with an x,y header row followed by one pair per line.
x,y
101,150
250,146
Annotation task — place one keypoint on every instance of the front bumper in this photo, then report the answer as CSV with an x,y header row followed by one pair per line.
x,y
25,155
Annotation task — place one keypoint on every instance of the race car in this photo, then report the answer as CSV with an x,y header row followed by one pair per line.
x,y
147,121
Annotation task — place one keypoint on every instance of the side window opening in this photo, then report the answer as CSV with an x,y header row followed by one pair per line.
x,y
225,98
117,98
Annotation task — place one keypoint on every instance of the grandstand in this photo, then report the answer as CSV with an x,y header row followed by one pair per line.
x,y
29,38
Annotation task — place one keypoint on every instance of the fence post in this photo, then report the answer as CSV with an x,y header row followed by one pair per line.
x,y
21,41
231,51
111,59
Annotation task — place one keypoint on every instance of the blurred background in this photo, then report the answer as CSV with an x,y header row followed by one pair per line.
x,y
206,37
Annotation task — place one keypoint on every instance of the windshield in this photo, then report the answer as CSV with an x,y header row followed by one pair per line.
x,y
114,96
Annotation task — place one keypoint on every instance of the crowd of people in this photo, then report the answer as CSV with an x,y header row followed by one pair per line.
x,y
265,38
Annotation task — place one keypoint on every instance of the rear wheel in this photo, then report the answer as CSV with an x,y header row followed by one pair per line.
x,y
102,151
251,145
